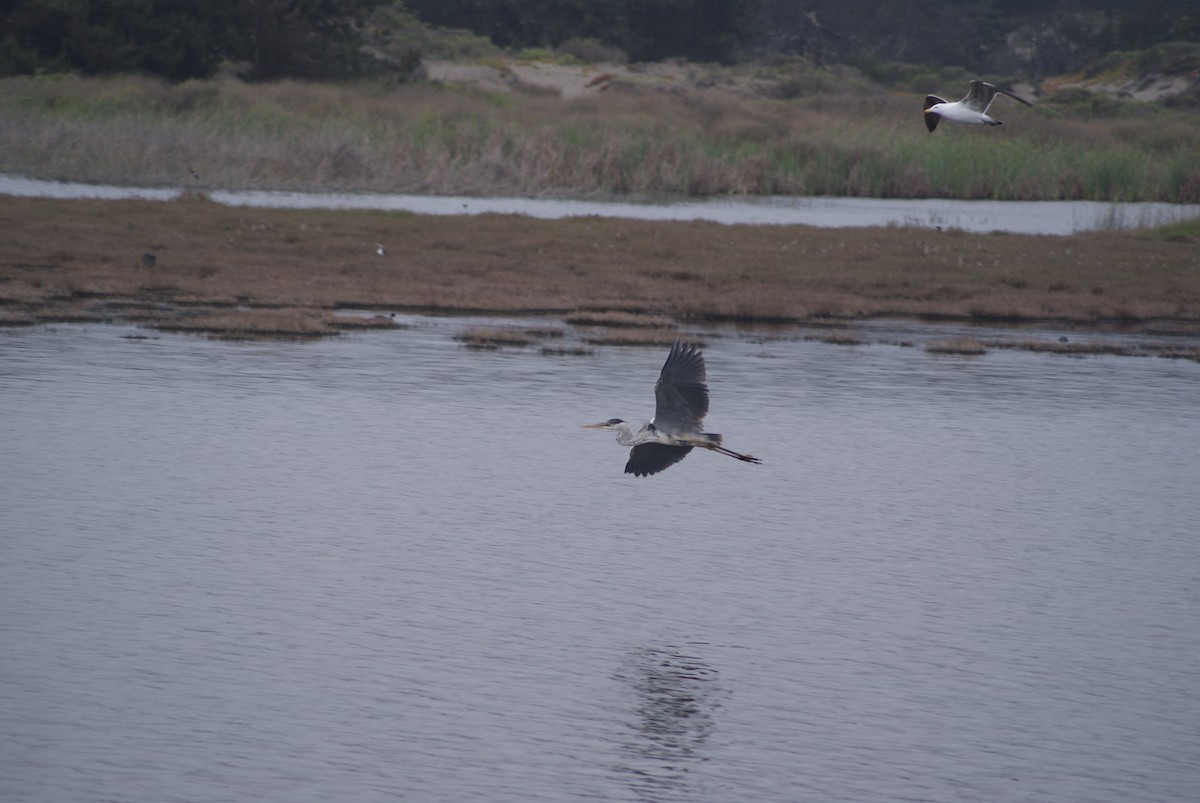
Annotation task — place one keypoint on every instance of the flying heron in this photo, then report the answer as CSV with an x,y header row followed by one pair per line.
x,y
681,402
971,109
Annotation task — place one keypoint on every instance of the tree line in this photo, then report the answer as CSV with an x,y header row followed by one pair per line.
x,y
323,39
183,39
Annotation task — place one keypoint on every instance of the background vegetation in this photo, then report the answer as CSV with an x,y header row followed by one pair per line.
x,y
329,39
427,139
138,91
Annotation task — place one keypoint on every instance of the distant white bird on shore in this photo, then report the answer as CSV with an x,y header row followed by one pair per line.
x,y
379,249
971,109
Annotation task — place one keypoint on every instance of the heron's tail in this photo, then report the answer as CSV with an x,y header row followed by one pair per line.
x,y
713,438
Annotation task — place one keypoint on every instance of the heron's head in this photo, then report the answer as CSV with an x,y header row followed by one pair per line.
x,y
609,424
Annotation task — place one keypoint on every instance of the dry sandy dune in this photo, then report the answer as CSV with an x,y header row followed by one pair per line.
x,y
574,81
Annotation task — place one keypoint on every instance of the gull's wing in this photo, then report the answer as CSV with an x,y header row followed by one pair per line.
x,y
982,94
681,397
996,89
979,97
650,458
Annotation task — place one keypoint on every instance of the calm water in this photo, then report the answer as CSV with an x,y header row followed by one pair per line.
x,y
1019,217
384,567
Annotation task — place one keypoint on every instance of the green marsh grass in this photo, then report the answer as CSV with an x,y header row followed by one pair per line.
x,y
428,138
1185,231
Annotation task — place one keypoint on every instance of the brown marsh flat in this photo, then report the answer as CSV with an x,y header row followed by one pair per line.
x,y
82,259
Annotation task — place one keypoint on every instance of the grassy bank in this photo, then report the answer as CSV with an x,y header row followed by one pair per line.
x,y
212,265
628,141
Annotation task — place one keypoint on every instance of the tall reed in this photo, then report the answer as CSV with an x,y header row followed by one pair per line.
x,y
421,138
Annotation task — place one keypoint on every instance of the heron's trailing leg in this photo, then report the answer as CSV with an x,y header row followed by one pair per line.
x,y
712,441
743,457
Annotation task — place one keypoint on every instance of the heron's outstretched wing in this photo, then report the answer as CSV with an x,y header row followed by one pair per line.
x,y
650,458
681,397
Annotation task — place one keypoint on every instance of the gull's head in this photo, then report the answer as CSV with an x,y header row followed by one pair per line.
x,y
611,423
933,116
933,108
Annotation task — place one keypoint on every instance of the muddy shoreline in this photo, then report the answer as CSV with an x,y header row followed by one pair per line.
x,y
195,265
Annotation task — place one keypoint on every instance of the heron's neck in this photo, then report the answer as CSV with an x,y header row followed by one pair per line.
x,y
625,435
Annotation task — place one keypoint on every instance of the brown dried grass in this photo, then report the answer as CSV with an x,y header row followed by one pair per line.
x,y
963,345
14,318
843,339
493,337
248,324
364,322
634,337
567,351
57,252
1063,346
626,320
544,332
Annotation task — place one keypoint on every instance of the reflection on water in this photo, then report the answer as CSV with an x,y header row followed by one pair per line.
x,y
385,567
1018,217
677,702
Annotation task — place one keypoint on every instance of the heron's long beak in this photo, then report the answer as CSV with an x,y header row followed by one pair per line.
x,y
596,426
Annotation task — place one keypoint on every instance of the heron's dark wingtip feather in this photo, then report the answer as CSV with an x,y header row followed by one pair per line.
x,y
681,393
686,356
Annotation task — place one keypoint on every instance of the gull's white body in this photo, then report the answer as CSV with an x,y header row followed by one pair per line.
x,y
971,110
961,114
